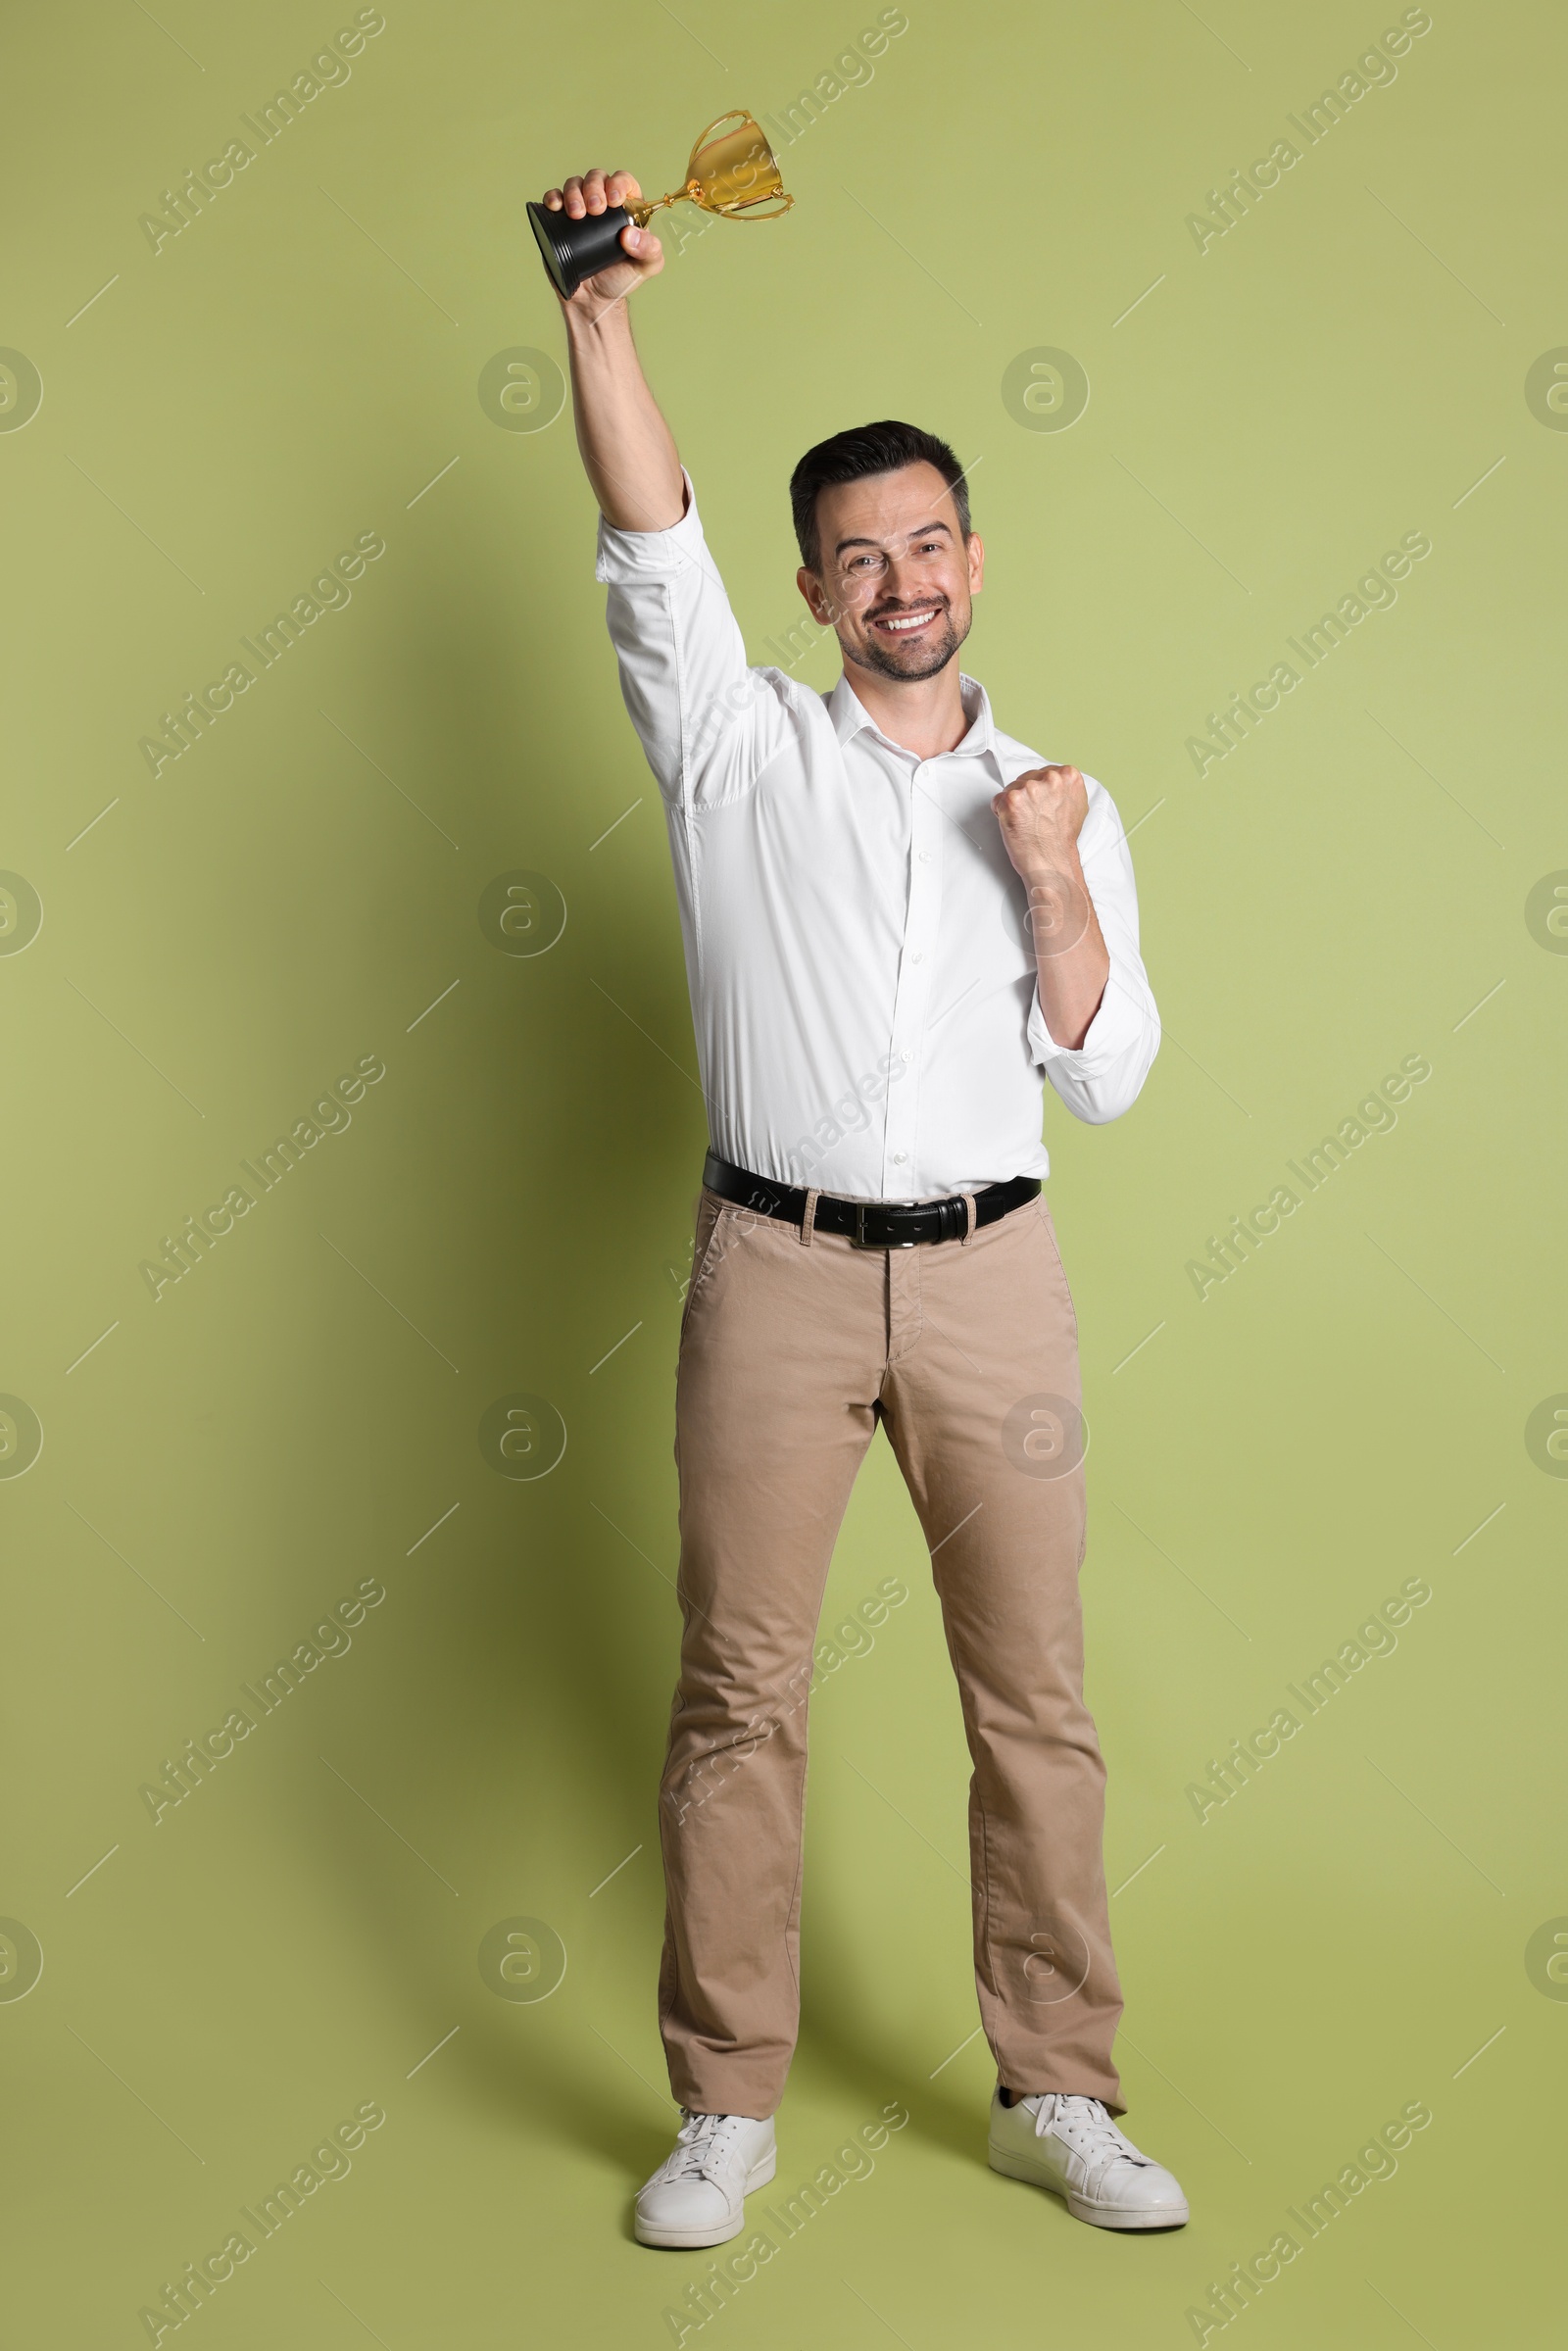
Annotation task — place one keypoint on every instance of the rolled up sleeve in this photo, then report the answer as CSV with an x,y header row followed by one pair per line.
x,y
708,722
1102,1078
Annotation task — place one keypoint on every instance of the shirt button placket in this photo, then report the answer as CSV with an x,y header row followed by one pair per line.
x,y
901,1174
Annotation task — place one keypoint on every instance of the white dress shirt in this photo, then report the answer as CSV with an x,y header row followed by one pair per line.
x,y
861,974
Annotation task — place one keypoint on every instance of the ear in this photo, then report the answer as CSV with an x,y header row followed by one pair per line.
x,y
975,551
817,596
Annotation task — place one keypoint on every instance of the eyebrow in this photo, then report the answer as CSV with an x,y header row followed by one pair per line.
x,y
925,531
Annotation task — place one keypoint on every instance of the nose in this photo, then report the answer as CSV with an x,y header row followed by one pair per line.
x,y
901,583
901,588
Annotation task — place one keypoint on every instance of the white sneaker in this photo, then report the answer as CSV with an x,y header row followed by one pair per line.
x,y
1071,2147
697,2195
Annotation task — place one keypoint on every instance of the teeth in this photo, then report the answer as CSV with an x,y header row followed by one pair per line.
x,y
915,621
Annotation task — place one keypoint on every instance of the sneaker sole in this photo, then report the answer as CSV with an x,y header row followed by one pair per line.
x,y
1099,2215
692,2240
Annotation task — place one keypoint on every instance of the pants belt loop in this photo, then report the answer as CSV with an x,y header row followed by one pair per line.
x,y
808,1220
968,1201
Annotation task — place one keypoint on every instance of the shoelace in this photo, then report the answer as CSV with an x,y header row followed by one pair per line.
x,y
1088,2127
704,2144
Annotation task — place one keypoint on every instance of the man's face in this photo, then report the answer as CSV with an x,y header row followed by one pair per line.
x,y
897,576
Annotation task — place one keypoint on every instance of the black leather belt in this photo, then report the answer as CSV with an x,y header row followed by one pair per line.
x,y
868,1223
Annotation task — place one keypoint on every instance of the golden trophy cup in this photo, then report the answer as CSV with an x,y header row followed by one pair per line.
x,y
732,172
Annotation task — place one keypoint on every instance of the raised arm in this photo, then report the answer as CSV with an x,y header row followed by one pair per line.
x,y
628,451
710,724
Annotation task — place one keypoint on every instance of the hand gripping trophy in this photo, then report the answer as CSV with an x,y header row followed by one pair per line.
x,y
732,172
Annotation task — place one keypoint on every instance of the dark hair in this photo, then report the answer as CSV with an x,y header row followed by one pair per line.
x,y
862,450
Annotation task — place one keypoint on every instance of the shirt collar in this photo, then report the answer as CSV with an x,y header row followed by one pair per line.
x,y
850,715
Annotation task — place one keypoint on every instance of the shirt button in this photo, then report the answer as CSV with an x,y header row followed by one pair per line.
x,y
906,1056
897,1159
925,857
917,958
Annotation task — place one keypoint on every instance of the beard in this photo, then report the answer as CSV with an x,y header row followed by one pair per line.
x,y
888,658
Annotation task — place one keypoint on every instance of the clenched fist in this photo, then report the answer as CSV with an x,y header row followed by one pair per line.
x,y
1041,814
597,191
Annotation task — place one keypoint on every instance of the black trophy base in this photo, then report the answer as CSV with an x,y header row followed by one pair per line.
x,y
576,250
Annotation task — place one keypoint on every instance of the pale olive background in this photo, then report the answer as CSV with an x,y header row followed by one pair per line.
x,y
514,1196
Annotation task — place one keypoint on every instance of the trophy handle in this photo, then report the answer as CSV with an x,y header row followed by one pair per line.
x,y
736,114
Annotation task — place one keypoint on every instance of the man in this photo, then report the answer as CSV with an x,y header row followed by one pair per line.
x,y
898,923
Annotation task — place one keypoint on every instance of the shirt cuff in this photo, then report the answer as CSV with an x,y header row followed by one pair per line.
x,y
1117,1028
625,556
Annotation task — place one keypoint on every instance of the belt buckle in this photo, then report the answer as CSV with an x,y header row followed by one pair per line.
x,y
857,1239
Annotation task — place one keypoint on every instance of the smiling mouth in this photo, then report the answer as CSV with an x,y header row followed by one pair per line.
x,y
905,625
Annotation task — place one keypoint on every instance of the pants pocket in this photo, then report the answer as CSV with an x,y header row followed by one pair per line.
x,y
1049,1230
711,1214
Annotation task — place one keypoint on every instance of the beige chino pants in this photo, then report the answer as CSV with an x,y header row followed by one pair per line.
x,y
792,1350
